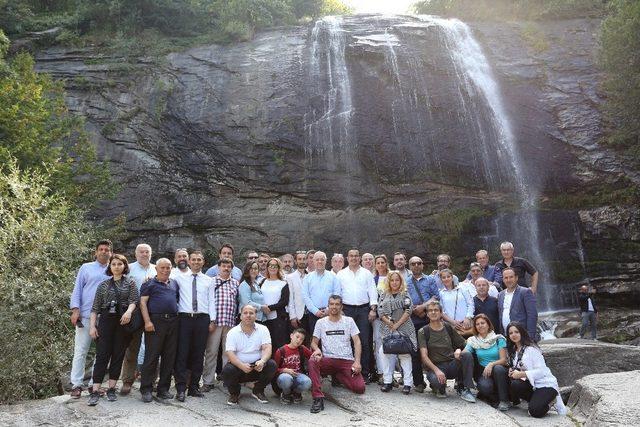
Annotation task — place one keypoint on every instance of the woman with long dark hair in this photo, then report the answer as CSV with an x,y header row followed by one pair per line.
x,y
249,291
114,303
530,378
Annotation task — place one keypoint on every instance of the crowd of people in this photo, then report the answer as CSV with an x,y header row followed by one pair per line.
x,y
288,321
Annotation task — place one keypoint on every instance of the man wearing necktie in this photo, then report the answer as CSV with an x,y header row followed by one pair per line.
x,y
196,308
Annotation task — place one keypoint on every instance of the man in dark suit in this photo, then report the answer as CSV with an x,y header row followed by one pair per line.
x,y
517,304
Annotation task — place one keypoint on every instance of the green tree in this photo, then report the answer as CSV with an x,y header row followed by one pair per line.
x,y
38,131
43,240
620,58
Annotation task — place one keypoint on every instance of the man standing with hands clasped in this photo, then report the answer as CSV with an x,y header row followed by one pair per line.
x,y
336,357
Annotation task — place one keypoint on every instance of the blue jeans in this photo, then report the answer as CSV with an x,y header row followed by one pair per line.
x,y
289,383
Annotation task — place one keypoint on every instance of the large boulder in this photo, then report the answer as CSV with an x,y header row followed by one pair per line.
x,y
607,399
572,359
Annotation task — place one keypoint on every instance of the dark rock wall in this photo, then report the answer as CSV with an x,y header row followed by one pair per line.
x,y
214,144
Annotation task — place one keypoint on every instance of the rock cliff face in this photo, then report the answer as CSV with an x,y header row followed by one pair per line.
x,y
385,133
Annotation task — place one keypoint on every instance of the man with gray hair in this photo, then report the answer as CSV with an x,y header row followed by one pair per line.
x,y
520,265
159,308
490,272
317,287
140,271
287,263
337,263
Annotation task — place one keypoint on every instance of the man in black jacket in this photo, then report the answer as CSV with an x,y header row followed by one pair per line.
x,y
589,311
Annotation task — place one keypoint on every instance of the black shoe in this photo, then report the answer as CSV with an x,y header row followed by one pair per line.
x,y
406,389
111,395
259,396
195,393
147,397
164,395
317,405
180,396
386,388
94,397
233,399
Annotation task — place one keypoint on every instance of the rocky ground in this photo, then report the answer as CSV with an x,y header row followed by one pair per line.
x,y
341,409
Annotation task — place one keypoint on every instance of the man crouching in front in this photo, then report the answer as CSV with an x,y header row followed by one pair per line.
x,y
336,358
248,348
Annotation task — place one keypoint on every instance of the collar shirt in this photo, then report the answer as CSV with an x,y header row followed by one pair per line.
x,y
236,273
296,300
357,288
204,293
175,272
163,297
426,285
521,266
140,274
317,288
456,303
89,276
226,301
491,272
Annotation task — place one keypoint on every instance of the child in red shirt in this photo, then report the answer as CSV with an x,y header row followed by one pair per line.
x,y
291,361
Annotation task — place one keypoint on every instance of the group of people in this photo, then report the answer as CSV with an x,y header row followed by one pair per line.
x,y
288,321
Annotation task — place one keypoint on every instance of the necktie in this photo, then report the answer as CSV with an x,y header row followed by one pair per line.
x,y
194,295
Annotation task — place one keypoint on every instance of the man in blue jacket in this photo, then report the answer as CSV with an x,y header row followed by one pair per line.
x,y
517,304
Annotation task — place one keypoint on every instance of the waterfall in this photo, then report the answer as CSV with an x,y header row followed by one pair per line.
x,y
475,73
329,133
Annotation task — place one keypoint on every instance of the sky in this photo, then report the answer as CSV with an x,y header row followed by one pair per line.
x,y
380,6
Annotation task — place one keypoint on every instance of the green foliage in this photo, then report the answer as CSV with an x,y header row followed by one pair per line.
x,y
38,131
512,9
621,193
535,38
43,240
620,58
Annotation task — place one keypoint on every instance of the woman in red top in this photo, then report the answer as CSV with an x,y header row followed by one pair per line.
x,y
290,375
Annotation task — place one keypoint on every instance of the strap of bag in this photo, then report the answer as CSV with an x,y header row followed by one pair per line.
x,y
413,282
112,284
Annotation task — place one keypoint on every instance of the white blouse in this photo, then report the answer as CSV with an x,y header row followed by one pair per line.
x,y
272,291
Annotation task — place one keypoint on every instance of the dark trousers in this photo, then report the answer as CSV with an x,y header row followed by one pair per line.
x,y
495,387
161,344
588,320
360,315
539,399
279,330
111,345
416,361
232,377
192,342
462,370
311,323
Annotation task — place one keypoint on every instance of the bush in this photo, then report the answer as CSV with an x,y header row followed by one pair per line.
x,y
38,131
620,58
43,240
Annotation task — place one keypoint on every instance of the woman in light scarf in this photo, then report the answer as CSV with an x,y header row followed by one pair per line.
x,y
491,372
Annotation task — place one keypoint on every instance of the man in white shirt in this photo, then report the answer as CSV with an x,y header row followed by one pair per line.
x,y
360,299
248,348
295,308
196,308
181,258
140,271
336,358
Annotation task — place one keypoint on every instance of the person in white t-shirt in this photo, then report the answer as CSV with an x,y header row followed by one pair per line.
x,y
336,357
248,348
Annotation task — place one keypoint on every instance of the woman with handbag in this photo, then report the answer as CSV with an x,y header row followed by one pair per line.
x,y
457,304
113,307
397,331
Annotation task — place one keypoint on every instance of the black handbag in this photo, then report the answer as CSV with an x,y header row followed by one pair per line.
x,y
397,343
136,322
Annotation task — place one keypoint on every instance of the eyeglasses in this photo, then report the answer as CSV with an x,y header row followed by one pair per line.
x,y
416,263
252,257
